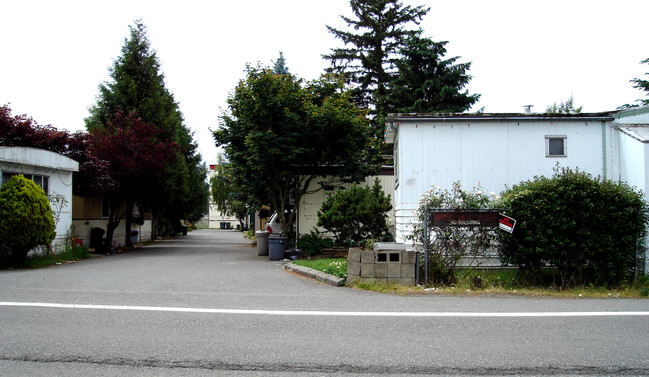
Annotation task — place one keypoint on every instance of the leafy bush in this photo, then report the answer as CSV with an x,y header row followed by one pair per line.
x,y
26,219
588,228
355,214
448,246
314,242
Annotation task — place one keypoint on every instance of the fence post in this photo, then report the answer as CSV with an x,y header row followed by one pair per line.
x,y
426,272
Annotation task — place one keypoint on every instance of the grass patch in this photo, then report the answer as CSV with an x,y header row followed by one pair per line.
x,y
71,253
332,266
318,264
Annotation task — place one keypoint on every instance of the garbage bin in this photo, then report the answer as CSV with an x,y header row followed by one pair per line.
x,y
262,242
134,234
276,247
184,229
96,238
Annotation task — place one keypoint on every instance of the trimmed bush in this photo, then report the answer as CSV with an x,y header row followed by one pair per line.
x,y
356,214
25,219
588,228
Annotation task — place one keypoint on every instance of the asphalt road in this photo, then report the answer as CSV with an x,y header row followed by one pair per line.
x,y
207,305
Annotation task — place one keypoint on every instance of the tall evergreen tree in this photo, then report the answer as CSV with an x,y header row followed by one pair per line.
x,y
427,82
379,30
138,87
279,65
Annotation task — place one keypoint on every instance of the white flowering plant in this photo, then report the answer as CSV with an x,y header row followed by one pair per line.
x,y
337,268
448,246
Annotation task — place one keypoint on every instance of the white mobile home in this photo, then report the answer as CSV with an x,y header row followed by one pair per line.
x,y
499,150
50,171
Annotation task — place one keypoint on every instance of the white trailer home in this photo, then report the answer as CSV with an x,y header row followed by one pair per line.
x,y
499,150
50,171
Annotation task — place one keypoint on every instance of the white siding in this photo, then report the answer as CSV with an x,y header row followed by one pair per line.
x,y
310,204
493,153
634,160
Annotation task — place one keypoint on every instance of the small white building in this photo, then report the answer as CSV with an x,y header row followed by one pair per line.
x,y
499,150
50,171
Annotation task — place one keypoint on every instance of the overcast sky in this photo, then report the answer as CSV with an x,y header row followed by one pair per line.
x,y
56,53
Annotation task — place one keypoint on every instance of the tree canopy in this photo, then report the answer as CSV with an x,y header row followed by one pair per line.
x,y
24,131
567,107
279,65
135,158
427,82
282,134
378,31
642,85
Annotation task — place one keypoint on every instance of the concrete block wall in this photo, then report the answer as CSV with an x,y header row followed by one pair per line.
x,y
384,264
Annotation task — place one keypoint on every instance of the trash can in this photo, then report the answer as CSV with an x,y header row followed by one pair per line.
x,y
262,242
276,248
184,229
134,234
96,238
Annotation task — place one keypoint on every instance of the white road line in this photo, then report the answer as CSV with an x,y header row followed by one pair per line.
x,y
324,313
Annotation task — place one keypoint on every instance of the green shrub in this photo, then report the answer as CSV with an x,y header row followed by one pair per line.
x,y
314,242
356,214
588,228
26,219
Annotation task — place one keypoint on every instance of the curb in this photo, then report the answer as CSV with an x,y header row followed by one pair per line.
x,y
315,274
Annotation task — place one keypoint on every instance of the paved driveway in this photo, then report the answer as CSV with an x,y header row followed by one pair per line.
x,y
206,304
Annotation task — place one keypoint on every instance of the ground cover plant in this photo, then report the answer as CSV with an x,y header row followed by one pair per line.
x,y
510,282
71,252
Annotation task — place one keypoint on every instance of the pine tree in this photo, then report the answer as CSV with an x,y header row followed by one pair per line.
x,y
427,82
279,65
371,48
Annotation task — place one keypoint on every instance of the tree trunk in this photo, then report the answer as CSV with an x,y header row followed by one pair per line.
x,y
113,223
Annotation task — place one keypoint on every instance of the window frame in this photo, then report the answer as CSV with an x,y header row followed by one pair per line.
x,y
44,180
548,151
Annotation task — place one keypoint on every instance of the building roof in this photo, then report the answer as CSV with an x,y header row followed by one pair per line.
x,y
639,132
393,120
37,157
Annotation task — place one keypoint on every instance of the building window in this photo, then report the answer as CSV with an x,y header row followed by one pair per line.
x,y
42,181
555,146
